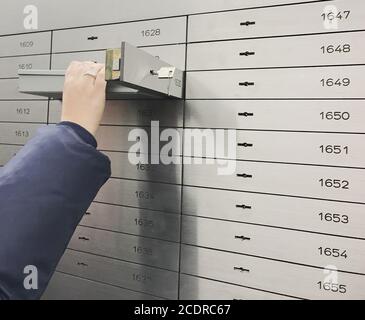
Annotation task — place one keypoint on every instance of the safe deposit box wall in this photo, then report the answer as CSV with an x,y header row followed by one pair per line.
x,y
289,75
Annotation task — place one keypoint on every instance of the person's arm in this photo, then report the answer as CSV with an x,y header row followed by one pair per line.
x,y
48,186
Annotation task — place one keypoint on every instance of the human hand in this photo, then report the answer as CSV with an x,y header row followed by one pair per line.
x,y
84,94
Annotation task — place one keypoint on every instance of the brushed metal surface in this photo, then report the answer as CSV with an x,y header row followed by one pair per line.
x,y
9,66
298,115
275,21
114,138
123,168
17,133
301,214
147,195
161,283
279,244
67,287
284,278
7,152
277,83
306,148
284,52
194,288
172,31
25,44
152,252
282,179
147,223
169,113
23,111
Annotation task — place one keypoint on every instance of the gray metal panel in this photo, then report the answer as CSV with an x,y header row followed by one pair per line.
x,y
17,133
277,83
314,115
152,252
274,243
9,66
291,51
154,224
123,168
113,138
287,212
9,90
172,31
66,287
285,278
7,152
306,148
25,44
281,179
134,113
276,21
147,195
194,288
161,283
23,111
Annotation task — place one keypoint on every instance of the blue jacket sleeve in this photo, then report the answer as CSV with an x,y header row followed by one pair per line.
x,y
44,192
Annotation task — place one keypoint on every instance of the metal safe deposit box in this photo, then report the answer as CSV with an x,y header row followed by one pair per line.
x,y
286,76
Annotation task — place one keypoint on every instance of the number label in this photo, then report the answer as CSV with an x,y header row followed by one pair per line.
x,y
333,49
334,217
151,32
143,251
334,149
333,287
331,82
26,44
334,183
335,115
145,195
332,252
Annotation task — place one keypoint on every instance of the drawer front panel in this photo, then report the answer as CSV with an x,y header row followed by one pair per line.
x,y
300,214
9,91
9,66
313,83
144,33
66,287
147,195
303,181
285,278
7,152
305,115
278,21
194,288
25,44
156,253
17,133
147,223
23,111
134,113
127,275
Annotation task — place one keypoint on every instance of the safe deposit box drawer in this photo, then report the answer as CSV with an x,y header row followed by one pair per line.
x,y
152,252
17,133
9,66
143,33
123,168
194,288
9,91
169,113
285,179
278,21
147,223
285,245
308,148
23,111
288,212
311,83
66,287
313,115
25,44
285,278
147,195
314,50
161,283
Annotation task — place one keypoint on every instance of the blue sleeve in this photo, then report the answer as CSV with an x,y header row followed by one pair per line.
x,y
44,191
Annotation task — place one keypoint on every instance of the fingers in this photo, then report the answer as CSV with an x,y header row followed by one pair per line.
x,y
87,72
100,78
